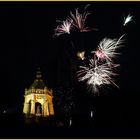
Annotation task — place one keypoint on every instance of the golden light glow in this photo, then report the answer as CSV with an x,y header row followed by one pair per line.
x,y
81,55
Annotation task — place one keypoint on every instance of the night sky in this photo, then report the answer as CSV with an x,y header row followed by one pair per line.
x,y
26,43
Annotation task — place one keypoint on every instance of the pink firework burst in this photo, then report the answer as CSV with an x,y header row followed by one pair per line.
x,y
106,49
79,20
64,28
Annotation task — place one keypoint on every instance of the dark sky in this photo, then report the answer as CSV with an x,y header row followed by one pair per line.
x,y
26,42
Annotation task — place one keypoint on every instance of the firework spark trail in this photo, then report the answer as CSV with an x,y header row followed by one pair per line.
x,y
96,76
64,28
127,19
119,42
86,6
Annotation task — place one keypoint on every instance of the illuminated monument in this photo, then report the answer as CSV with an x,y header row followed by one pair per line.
x,y
38,99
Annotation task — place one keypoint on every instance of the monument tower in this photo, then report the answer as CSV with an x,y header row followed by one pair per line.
x,y
38,99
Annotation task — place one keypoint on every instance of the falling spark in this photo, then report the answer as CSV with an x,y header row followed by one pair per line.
x,y
91,114
4,111
127,19
70,122
106,49
64,28
96,76
81,55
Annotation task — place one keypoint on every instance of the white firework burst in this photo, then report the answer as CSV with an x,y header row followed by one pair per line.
x,y
127,19
97,76
64,28
106,49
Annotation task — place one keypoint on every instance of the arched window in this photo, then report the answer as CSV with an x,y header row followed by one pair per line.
x,y
38,109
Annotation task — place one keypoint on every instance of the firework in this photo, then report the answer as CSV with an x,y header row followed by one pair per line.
x,y
79,20
101,68
64,28
127,19
96,76
81,55
106,49
75,21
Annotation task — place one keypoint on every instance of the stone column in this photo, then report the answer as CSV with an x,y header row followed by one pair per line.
x,y
32,107
51,108
26,107
46,111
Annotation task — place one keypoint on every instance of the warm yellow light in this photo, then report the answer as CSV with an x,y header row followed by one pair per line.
x,y
81,55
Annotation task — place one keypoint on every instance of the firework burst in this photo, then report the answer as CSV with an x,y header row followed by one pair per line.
x,y
97,76
79,20
64,28
106,49
75,21
127,19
